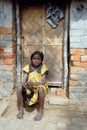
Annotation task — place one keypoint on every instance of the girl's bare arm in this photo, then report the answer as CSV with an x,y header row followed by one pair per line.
x,y
24,79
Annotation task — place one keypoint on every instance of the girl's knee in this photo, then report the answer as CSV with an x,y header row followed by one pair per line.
x,y
19,90
41,90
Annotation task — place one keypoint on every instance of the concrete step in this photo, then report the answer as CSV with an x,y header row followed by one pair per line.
x,y
57,96
58,100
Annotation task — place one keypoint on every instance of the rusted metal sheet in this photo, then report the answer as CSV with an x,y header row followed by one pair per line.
x,y
39,35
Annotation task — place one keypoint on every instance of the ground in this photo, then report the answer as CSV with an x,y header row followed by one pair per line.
x,y
69,116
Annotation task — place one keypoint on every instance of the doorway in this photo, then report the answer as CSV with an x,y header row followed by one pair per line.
x,y
38,34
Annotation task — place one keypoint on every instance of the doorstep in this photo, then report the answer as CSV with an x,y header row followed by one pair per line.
x,y
58,97
57,100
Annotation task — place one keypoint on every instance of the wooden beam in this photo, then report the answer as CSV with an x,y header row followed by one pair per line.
x,y
19,45
66,29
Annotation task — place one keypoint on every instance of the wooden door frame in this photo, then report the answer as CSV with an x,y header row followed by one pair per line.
x,y
66,53
19,51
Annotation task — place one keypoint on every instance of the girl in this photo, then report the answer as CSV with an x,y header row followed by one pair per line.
x,y
34,85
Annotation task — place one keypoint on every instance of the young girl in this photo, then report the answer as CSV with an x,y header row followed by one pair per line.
x,y
34,85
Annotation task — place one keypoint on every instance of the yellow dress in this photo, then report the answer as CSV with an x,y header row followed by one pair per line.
x,y
36,76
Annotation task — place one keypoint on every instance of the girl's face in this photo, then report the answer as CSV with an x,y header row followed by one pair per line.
x,y
36,60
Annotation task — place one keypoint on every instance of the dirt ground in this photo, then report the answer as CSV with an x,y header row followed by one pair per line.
x,y
49,109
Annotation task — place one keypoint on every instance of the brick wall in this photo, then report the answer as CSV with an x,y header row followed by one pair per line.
x,y
78,50
7,56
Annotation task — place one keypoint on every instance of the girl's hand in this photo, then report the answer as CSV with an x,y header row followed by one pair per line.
x,y
25,85
30,84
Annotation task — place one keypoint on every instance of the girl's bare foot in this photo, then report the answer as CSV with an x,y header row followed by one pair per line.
x,y
20,114
39,115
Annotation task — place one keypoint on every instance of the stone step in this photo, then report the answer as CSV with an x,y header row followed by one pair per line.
x,y
58,97
57,100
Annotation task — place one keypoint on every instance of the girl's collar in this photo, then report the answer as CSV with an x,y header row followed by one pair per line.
x,y
31,68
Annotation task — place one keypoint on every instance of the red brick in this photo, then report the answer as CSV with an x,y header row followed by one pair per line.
x,y
1,80
80,64
75,57
59,91
72,82
86,51
10,67
73,77
1,55
1,49
5,30
84,58
75,69
9,55
1,61
77,51
9,61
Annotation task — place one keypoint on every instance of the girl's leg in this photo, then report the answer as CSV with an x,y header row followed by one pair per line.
x,y
41,104
20,103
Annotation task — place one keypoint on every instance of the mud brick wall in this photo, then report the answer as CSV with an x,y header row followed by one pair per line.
x,y
7,56
78,50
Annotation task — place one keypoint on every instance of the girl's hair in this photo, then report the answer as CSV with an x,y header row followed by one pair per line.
x,y
37,53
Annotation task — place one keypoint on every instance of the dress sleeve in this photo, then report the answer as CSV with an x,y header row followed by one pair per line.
x,y
26,68
44,69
